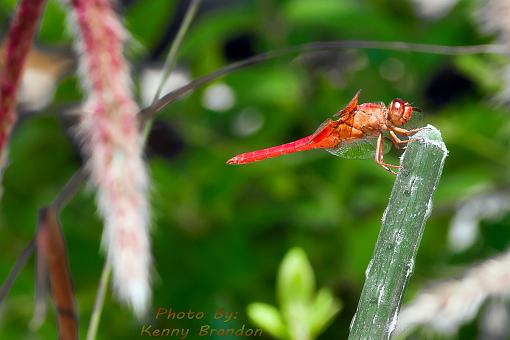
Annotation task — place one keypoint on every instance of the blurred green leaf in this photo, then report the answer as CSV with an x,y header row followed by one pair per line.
x,y
295,282
303,315
324,308
269,318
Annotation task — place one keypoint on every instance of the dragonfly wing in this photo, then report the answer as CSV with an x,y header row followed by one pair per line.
x,y
415,121
350,108
359,149
323,131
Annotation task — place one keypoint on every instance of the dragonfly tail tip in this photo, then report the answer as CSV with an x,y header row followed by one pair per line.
x,y
232,160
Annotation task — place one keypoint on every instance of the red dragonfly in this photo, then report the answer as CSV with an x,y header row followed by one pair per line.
x,y
354,126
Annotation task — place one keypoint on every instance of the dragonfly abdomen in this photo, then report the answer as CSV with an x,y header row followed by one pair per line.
x,y
258,155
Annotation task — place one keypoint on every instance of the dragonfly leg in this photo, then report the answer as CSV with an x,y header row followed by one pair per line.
x,y
405,132
399,142
379,156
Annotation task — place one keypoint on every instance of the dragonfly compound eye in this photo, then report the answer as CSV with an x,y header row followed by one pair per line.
x,y
408,111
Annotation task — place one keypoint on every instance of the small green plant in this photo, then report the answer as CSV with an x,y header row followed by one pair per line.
x,y
304,312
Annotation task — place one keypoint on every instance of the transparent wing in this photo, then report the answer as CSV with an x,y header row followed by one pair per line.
x,y
359,149
416,120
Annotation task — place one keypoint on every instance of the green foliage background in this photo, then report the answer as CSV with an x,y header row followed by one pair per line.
x,y
221,231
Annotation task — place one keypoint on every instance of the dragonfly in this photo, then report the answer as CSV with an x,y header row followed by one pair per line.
x,y
359,127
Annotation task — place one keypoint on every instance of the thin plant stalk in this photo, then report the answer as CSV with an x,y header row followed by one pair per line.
x,y
99,303
171,58
319,46
403,224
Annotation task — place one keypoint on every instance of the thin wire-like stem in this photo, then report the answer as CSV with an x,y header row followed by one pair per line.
x,y
69,189
20,263
319,46
171,58
99,303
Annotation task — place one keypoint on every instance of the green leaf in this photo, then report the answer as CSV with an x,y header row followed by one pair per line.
x,y
268,318
322,311
296,286
296,282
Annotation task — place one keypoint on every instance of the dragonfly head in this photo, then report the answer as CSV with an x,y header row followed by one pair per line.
x,y
399,112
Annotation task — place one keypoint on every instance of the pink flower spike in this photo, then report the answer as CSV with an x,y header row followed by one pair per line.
x,y
19,42
112,138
